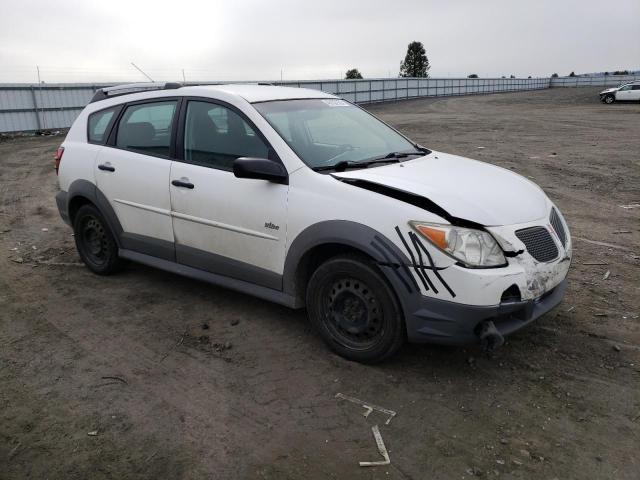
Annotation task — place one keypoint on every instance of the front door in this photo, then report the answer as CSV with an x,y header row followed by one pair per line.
x,y
231,226
133,173
625,93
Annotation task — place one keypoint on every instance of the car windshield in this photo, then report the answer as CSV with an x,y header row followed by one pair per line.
x,y
328,133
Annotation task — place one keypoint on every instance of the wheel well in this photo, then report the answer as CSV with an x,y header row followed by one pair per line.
x,y
316,256
75,204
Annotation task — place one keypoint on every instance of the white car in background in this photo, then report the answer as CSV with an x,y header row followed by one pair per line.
x,y
628,92
301,198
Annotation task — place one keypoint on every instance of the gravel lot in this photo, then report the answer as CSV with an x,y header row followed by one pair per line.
x,y
179,379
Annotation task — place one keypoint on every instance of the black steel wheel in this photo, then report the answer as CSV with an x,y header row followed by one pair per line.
x,y
95,242
354,309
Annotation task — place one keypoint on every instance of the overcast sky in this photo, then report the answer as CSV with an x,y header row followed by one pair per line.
x,y
82,40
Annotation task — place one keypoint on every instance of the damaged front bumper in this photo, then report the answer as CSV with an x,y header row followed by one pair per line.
x,y
450,323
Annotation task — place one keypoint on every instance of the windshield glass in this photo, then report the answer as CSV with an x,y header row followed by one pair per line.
x,y
324,132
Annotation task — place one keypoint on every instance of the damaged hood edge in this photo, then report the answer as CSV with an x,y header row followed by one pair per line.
x,y
456,188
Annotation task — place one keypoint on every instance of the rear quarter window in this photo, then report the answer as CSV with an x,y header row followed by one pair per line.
x,y
99,125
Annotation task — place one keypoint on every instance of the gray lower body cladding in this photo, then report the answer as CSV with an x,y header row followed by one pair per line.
x,y
448,323
62,203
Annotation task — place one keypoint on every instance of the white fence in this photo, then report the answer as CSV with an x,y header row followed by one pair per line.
x,y
25,107
599,81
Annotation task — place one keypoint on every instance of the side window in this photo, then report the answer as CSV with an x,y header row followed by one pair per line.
x,y
146,128
99,123
215,136
635,87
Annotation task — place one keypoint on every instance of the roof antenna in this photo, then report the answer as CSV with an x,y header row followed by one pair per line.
x,y
140,70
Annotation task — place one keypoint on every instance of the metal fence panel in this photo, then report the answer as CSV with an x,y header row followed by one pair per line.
x,y
25,107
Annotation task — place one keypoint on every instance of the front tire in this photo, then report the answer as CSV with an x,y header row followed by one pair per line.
x,y
354,309
95,242
609,99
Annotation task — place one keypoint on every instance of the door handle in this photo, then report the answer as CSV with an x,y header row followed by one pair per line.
x,y
183,184
106,167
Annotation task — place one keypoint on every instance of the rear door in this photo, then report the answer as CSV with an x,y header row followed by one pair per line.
x,y
635,92
231,226
132,171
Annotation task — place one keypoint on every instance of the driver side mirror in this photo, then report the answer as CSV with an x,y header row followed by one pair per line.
x,y
261,169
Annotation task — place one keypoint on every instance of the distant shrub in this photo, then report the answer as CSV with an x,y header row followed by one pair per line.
x,y
554,75
353,74
473,75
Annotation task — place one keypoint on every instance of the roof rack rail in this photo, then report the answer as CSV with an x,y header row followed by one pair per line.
x,y
126,89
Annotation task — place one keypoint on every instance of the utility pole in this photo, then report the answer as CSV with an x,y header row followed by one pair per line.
x,y
184,80
281,74
44,122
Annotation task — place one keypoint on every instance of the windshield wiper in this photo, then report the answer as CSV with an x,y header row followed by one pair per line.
x,y
344,164
338,166
392,157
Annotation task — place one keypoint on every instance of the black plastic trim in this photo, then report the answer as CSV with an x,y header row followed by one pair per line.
x,y
87,190
218,264
148,245
355,235
261,169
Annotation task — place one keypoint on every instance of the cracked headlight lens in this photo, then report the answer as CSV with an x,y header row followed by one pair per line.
x,y
471,247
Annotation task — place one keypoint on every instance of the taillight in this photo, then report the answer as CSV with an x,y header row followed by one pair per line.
x,y
58,158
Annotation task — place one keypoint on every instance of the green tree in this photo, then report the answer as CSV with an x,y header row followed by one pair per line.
x,y
353,74
415,63
572,74
554,75
473,75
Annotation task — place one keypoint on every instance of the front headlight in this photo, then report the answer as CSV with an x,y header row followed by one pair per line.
x,y
471,247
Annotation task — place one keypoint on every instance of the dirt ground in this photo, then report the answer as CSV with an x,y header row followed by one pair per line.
x,y
149,375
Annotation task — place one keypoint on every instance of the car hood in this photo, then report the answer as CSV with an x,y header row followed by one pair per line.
x,y
608,90
464,188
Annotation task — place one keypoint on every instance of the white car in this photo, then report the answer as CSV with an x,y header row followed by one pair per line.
x,y
629,92
299,197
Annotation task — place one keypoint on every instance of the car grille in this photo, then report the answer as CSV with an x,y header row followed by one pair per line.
x,y
554,218
539,243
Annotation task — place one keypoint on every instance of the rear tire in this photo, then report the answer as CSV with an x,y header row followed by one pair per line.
x,y
354,309
609,99
95,242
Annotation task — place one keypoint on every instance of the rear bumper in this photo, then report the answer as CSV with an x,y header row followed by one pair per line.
x,y
63,206
449,323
